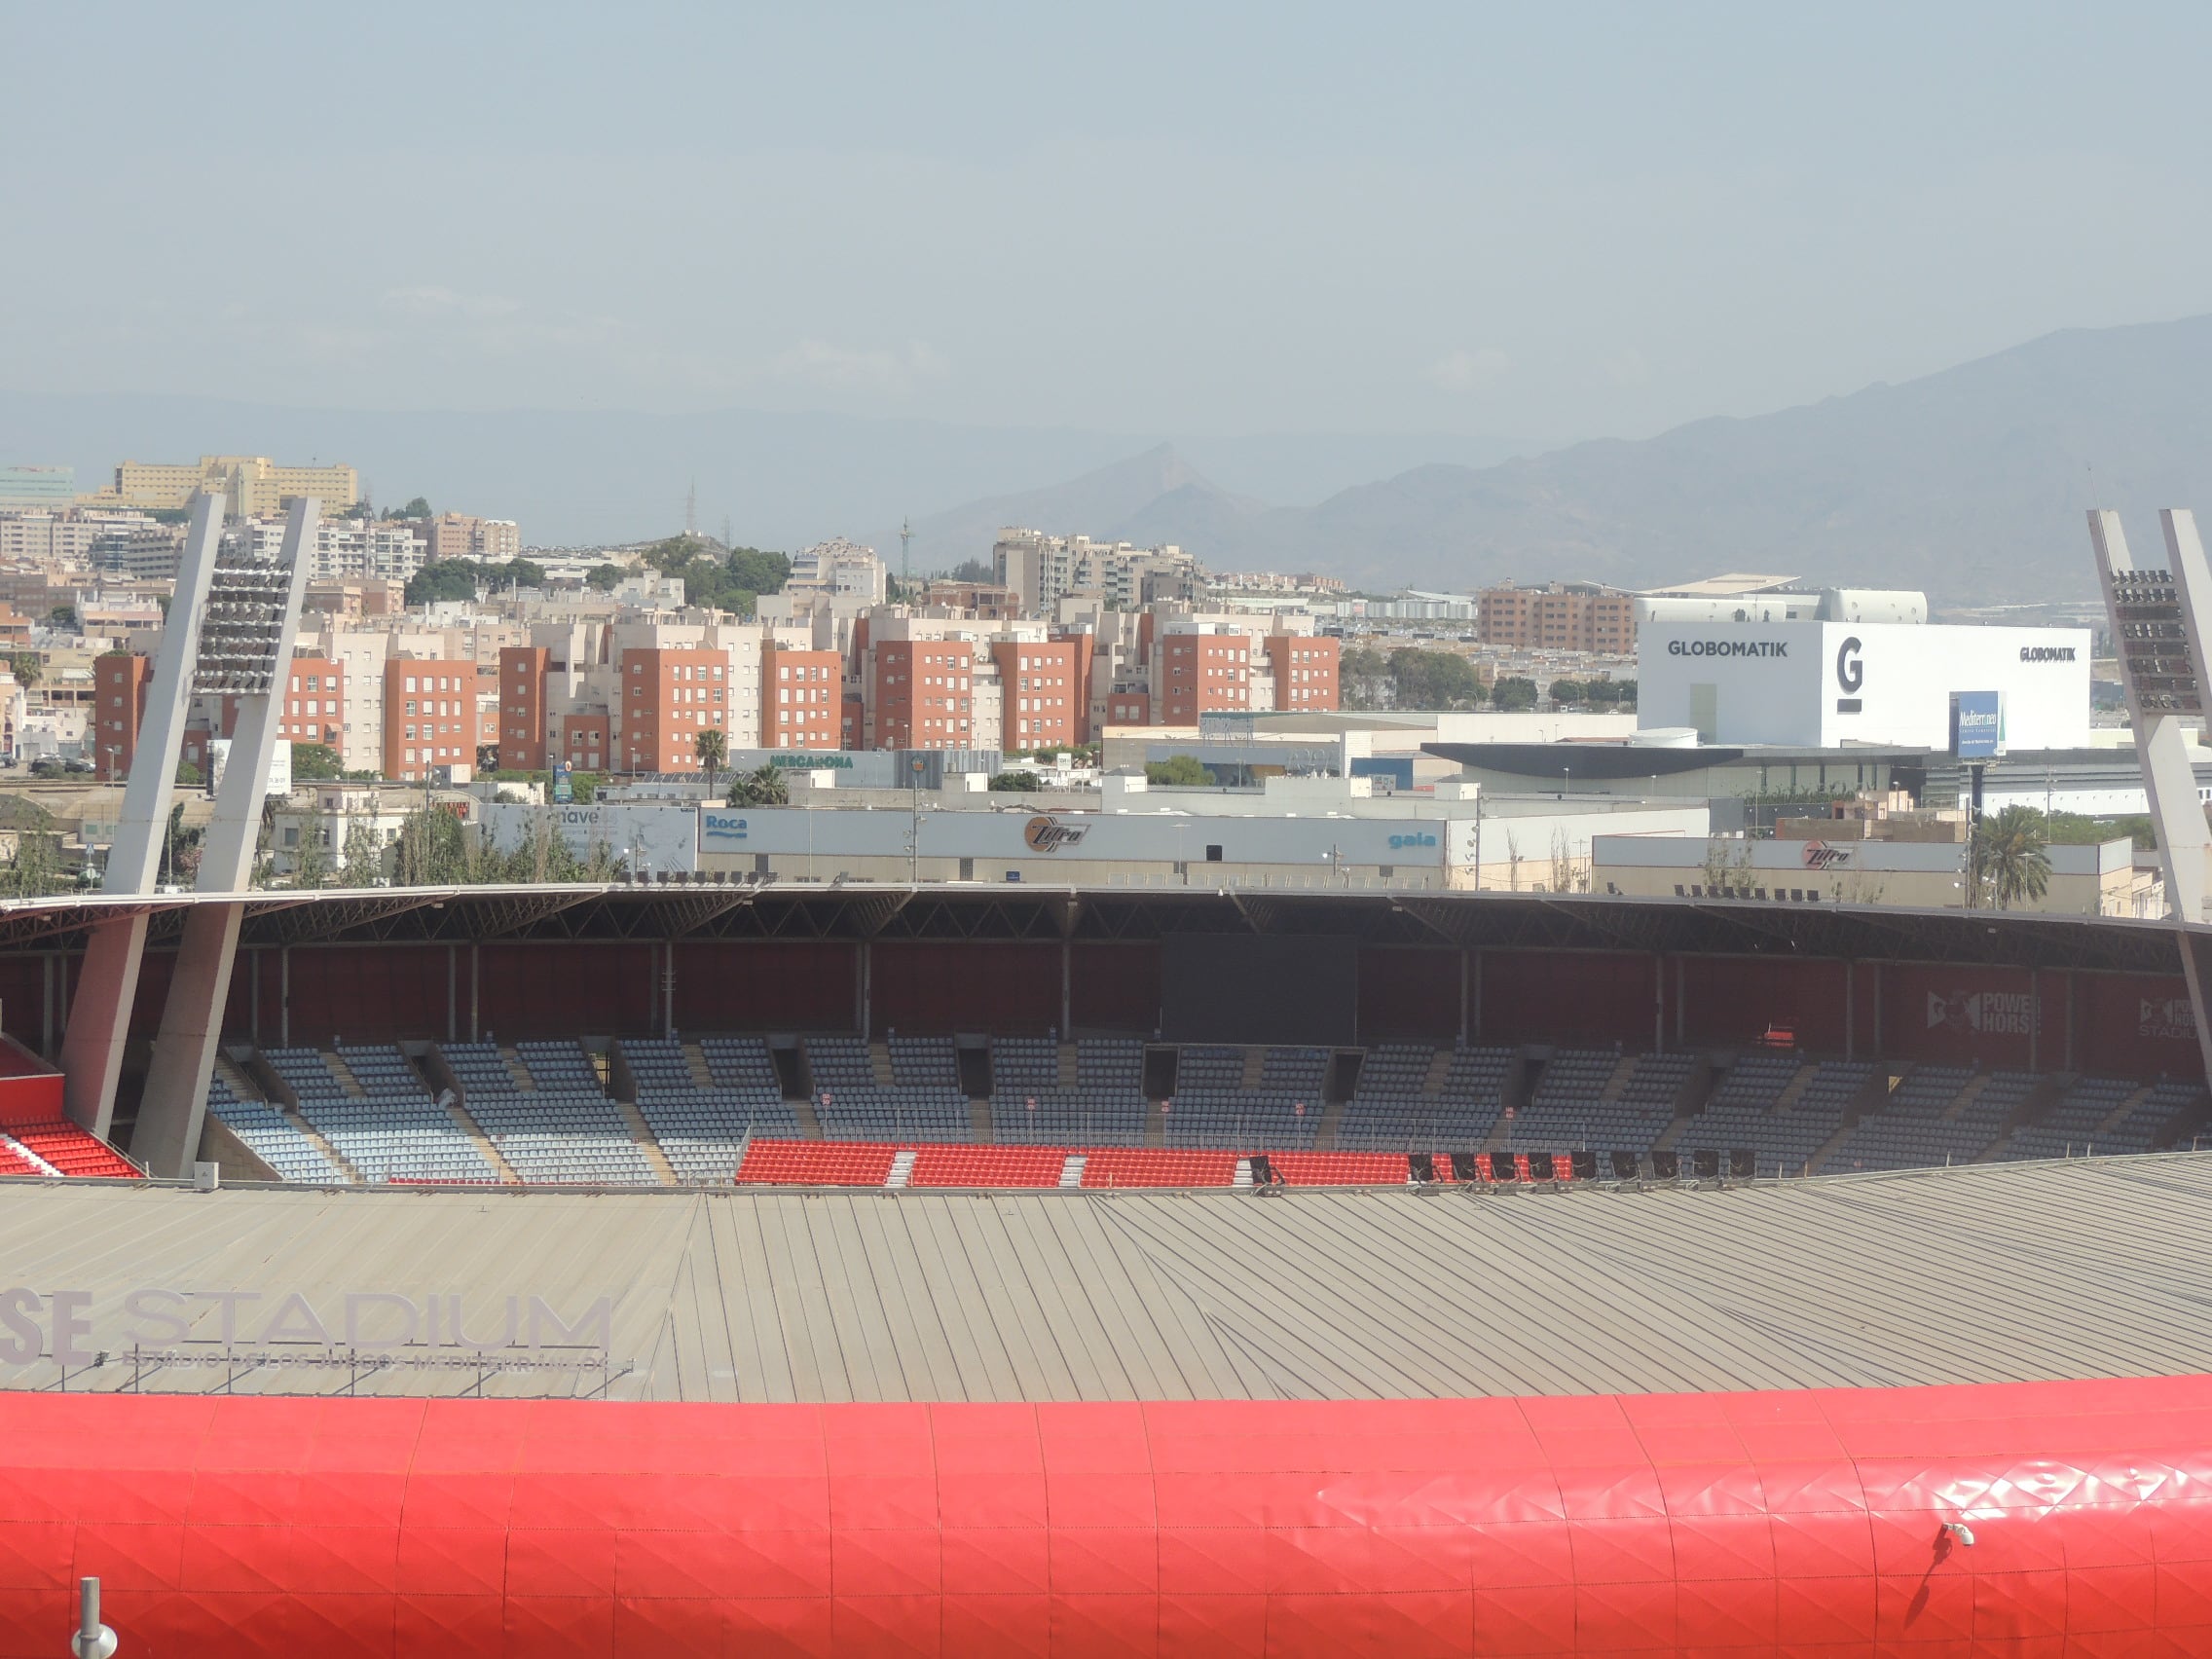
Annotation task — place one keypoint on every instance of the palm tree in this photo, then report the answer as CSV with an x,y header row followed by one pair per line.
x,y
2010,860
712,747
763,787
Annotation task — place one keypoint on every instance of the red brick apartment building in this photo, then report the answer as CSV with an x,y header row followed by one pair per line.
x,y
1202,674
120,681
924,695
429,716
669,697
524,670
1045,690
1306,671
802,698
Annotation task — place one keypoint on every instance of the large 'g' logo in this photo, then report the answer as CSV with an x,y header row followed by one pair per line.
x,y
1849,672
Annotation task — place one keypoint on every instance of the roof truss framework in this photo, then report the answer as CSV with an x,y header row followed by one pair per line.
x,y
856,913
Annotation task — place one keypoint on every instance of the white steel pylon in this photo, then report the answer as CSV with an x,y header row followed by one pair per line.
x,y
2159,615
107,982
245,654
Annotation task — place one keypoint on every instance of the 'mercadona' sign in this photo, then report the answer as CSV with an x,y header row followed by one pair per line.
x,y
75,1327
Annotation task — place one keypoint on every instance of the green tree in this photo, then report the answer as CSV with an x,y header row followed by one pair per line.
x,y
766,787
1433,680
36,870
364,854
2011,865
27,667
188,775
312,863
973,570
1513,691
180,848
1178,771
418,508
316,762
1017,781
761,571
442,580
62,616
1363,674
606,578
712,749
433,850
516,573
1565,691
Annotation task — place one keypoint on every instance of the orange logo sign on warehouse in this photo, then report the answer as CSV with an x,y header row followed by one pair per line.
x,y
1046,833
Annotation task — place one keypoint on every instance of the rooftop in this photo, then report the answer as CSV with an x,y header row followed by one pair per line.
x,y
1998,1273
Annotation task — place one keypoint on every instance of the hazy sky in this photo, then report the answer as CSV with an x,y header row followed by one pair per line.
x,y
1559,221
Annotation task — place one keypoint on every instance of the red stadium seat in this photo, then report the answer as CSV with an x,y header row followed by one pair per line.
x,y
13,1162
73,1151
987,1167
1341,1168
1147,1167
817,1163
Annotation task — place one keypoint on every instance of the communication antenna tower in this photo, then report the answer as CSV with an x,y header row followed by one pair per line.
x,y
691,509
906,571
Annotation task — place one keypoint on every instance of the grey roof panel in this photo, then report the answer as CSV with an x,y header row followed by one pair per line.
x,y
1988,1274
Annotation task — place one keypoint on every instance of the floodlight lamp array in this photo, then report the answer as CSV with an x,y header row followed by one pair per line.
x,y
241,626
2162,671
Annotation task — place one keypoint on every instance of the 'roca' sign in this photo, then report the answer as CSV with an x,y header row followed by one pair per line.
x,y
1046,833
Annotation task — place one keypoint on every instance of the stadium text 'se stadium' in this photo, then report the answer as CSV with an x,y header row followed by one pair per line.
x,y
726,1270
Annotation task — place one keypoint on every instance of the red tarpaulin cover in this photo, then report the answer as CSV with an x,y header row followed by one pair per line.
x,y
1799,1523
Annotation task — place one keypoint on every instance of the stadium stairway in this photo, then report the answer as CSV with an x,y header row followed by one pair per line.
x,y
2049,1090
695,1062
437,1071
486,1149
1795,1090
1325,1131
343,1073
649,1145
1439,1070
269,1085
1616,1085
1873,1096
1965,1097
1154,1124
2120,1114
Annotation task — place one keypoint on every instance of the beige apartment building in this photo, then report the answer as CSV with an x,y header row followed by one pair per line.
x,y
251,484
1559,616
464,536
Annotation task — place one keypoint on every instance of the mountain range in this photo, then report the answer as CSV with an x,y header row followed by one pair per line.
x,y
1969,483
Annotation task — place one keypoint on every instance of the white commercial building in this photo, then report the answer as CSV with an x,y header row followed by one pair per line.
x,y
1826,685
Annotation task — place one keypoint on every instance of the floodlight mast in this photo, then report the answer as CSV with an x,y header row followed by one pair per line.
x,y
107,984
2160,635
253,618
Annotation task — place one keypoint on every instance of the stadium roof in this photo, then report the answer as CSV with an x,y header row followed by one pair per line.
x,y
696,911
2045,1270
